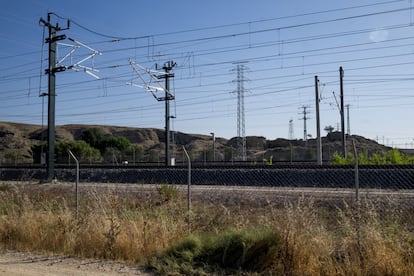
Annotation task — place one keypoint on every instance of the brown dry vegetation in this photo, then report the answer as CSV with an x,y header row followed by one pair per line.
x,y
300,236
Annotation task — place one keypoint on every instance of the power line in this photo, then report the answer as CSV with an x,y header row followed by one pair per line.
x,y
234,24
19,55
71,84
282,55
336,19
214,85
233,35
350,69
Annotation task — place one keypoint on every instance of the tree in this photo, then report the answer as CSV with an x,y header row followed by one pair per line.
x,y
108,145
229,153
153,155
117,142
137,152
82,150
92,136
207,155
329,129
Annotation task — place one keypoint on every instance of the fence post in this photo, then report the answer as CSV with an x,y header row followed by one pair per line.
x,y
188,190
357,200
356,172
77,183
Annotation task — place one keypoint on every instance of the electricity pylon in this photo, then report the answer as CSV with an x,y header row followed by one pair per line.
x,y
150,81
56,66
241,127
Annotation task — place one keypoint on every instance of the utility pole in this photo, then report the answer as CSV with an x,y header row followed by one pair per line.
x,y
318,125
291,137
168,66
214,146
291,131
51,72
42,156
341,77
348,125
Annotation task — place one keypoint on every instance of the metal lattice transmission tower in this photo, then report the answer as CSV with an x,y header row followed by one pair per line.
x,y
291,133
241,127
305,112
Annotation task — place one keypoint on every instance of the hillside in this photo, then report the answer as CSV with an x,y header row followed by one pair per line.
x,y
148,144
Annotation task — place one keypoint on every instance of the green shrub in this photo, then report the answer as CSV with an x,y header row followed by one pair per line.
x,y
187,250
338,159
391,157
82,150
167,192
4,187
249,250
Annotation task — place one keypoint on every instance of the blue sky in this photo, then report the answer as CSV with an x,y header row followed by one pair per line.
x,y
282,46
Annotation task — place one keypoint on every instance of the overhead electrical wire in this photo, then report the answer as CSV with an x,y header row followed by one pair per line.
x,y
41,63
280,54
230,25
118,81
70,84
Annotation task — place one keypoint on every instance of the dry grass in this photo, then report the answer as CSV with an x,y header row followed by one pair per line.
x,y
305,238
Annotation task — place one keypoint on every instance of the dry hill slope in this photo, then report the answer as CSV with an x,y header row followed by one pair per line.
x,y
16,141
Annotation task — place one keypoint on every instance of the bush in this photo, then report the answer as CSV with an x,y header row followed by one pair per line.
x,y
97,139
82,150
4,187
249,250
391,157
167,192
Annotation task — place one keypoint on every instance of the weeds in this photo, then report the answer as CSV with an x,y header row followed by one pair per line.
x,y
4,187
167,192
249,250
299,238
111,235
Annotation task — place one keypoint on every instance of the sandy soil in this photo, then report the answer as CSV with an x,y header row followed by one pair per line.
x,y
28,264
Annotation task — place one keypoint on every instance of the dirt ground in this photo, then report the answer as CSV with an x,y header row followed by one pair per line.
x,y
29,264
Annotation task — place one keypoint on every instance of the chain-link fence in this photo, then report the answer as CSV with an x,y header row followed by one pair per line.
x,y
382,177
375,182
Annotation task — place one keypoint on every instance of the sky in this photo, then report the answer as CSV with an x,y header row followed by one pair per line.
x,y
278,46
